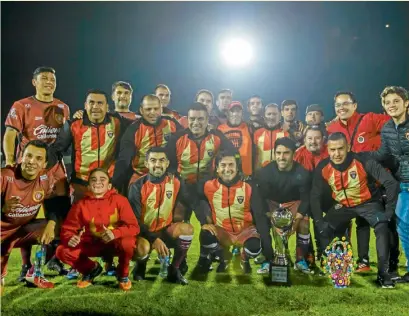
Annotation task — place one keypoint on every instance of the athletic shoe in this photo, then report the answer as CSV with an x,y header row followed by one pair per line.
x,y
264,269
56,265
310,258
260,259
38,281
183,267
139,270
302,266
245,265
363,266
235,251
110,269
385,281
23,272
175,276
88,279
125,284
72,274
404,279
222,267
204,264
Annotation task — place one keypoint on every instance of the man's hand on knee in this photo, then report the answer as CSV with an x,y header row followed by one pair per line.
x,y
48,233
160,247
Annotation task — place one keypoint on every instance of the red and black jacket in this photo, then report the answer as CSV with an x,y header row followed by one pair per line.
x,y
194,159
153,201
352,183
137,140
93,145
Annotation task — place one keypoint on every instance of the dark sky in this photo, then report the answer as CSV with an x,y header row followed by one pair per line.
x,y
303,51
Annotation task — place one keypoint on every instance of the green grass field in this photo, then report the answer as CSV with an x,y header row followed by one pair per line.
x,y
229,293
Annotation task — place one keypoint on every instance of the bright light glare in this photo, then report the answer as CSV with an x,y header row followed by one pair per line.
x,y
237,52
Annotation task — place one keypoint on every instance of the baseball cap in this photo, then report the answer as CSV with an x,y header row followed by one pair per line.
x,y
314,107
234,104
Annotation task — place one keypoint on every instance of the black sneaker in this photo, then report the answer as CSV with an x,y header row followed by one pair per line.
x,y
183,267
88,279
23,272
394,275
55,265
245,265
175,276
404,279
222,267
139,270
204,264
385,281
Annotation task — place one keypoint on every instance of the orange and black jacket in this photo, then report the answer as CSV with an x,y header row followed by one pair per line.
x,y
171,113
153,201
92,214
137,140
93,145
352,183
194,159
233,206
264,139
241,138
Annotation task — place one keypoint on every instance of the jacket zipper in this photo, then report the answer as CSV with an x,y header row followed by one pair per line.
x,y
198,159
343,189
160,203
98,144
271,146
154,133
228,203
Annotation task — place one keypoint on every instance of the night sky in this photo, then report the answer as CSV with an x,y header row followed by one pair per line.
x,y
303,51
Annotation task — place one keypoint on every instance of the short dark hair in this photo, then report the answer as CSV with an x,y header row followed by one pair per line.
x,y
197,106
400,91
149,96
229,153
204,91
286,142
39,144
123,84
289,102
350,94
337,136
224,90
271,105
254,96
156,149
161,85
97,91
99,169
42,69
313,128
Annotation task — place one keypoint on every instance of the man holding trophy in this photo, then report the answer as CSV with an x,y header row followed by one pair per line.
x,y
285,186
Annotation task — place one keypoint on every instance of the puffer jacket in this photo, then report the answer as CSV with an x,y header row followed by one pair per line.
x,y
395,143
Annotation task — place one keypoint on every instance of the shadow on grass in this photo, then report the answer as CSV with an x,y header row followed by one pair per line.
x,y
198,275
243,279
223,278
153,270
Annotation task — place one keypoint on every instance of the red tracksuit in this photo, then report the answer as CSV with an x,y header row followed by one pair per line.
x,y
90,213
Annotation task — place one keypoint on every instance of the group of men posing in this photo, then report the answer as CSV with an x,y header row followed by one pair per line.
x,y
137,177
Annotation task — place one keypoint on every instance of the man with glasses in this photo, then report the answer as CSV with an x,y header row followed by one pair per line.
x,y
363,133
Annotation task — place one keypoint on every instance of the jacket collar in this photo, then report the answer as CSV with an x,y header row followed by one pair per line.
x,y
86,120
107,195
232,183
156,180
348,160
352,120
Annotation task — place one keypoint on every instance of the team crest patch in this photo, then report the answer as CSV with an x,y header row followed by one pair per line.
x,y
168,194
61,106
38,196
361,139
240,199
59,118
43,177
338,206
210,153
407,135
110,133
353,174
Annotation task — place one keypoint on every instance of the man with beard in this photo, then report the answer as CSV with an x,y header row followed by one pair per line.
x,y
289,109
285,183
122,97
395,145
193,150
163,93
231,208
352,180
239,133
39,117
363,133
154,199
265,137
255,108
152,130
314,116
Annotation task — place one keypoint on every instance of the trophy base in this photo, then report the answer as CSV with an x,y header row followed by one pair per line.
x,y
279,275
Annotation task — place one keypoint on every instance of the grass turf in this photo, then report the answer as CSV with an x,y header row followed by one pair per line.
x,y
229,293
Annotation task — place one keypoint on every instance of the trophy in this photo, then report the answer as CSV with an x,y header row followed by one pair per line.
x,y
282,219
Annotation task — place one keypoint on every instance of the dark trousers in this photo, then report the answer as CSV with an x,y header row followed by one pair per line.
x,y
373,213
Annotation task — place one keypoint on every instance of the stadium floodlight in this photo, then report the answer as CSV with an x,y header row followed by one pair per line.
x,y
237,52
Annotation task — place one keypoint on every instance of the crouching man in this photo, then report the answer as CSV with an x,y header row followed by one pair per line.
x,y
155,198
102,223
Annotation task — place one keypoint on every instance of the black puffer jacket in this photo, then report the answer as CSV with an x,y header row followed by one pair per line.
x,y
395,145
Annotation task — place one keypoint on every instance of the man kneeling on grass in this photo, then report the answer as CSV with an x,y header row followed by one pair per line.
x,y
101,223
154,199
231,215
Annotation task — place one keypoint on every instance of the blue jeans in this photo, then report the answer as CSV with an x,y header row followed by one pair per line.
x,y
402,213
